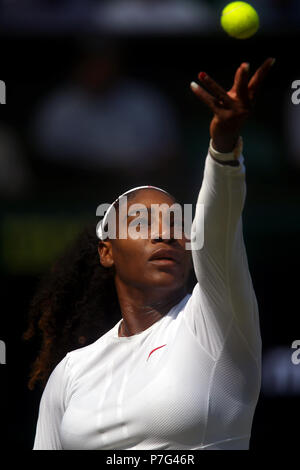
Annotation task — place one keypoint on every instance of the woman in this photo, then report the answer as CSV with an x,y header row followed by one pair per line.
x,y
179,370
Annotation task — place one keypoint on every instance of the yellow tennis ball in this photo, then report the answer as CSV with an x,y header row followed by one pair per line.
x,y
240,20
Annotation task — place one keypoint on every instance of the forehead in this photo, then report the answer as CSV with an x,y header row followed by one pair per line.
x,y
150,196
145,197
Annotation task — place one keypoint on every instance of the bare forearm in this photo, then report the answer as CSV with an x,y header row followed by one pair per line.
x,y
224,139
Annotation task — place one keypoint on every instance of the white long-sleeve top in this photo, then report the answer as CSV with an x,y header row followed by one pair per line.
x,y
189,381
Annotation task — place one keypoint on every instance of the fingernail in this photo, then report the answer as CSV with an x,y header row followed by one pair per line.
x,y
202,75
194,86
273,61
247,66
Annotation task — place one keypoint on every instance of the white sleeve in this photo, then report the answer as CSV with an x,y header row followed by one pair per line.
x,y
51,409
224,294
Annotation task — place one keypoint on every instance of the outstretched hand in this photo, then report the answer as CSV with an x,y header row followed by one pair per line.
x,y
231,108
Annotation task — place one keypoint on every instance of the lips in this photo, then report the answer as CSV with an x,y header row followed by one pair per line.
x,y
165,254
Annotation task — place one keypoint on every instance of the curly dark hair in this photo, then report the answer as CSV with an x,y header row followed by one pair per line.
x,y
75,303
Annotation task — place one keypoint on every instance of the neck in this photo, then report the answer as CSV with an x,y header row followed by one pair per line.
x,y
139,312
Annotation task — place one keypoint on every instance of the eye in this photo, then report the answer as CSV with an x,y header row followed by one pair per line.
x,y
139,221
178,223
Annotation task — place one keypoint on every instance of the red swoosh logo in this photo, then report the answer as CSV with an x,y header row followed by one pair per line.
x,y
155,350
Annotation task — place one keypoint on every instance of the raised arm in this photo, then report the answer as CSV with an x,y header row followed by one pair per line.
x,y
224,294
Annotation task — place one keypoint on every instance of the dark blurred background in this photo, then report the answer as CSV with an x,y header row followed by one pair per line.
x,y
98,101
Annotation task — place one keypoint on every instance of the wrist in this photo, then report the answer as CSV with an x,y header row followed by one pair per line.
x,y
224,135
224,157
226,144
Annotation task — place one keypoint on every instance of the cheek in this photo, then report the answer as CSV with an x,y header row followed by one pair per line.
x,y
188,261
130,260
188,265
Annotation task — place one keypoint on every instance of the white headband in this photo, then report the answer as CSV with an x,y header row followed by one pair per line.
x,y
101,225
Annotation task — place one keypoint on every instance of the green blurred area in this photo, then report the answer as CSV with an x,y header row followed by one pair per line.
x,y
30,242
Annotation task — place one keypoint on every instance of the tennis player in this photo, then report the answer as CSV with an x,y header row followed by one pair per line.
x,y
178,370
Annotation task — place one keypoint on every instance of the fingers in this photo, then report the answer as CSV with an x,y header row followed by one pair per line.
x,y
214,96
214,88
240,86
259,76
207,99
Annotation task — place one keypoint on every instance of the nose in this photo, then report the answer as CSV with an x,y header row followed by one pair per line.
x,y
158,239
165,232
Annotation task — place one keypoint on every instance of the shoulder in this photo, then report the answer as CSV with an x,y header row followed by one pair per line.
x,y
82,357
72,367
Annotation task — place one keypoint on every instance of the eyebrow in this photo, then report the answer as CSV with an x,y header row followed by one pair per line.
x,y
141,211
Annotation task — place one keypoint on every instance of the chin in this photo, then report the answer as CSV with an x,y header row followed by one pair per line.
x,y
166,278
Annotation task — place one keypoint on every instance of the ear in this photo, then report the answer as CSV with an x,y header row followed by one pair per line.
x,y
105,253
